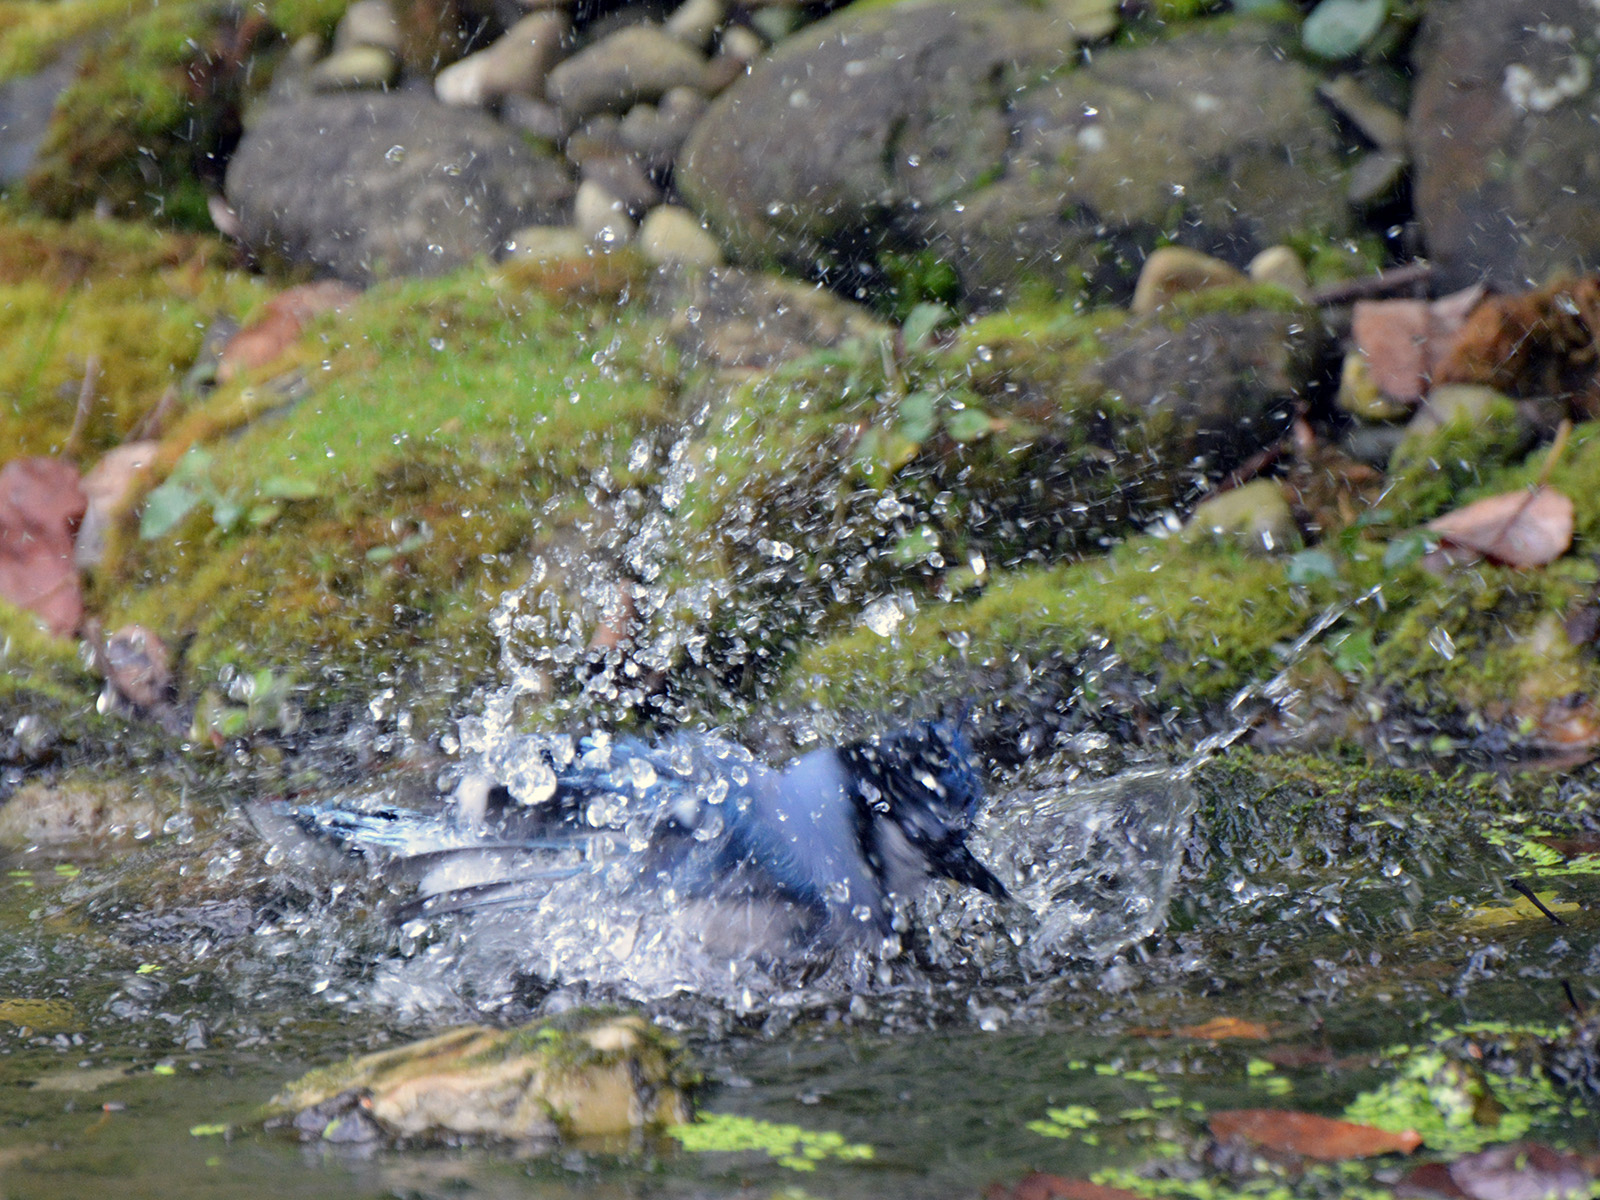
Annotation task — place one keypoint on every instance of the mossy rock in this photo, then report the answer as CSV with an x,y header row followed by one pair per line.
x,y
588,1074
858,473
1193,623
47,695
410,459
154,110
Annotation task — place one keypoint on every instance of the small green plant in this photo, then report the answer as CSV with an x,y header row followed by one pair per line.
x,y
792,1147
190,485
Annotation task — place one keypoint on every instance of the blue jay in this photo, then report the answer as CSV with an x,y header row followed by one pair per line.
x,y
769,861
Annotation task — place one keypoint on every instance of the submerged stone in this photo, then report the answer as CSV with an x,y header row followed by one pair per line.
x,y
587,1074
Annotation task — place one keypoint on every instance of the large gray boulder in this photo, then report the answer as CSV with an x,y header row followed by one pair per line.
x,y
1504,133
368,185
970,130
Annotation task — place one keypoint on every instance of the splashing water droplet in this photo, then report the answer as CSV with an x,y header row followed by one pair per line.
x,y
883,616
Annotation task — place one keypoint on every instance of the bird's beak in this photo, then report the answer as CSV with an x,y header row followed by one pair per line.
x,y
959,865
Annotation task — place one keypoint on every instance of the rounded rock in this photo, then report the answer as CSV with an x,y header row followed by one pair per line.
x,y
364,185
515,65
1280,266
1254,516
354,69
368,23
637,63
673,236
601,216
1176,271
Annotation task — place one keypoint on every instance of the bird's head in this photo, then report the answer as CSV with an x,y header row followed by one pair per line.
x,y
925,784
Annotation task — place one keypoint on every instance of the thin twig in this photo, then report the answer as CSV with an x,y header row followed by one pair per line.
x,y
1371,287
80,419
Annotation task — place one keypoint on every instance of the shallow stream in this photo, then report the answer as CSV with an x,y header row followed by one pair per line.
x,y
153,995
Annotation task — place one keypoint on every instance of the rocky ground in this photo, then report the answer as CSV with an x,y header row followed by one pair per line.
x,y
712,359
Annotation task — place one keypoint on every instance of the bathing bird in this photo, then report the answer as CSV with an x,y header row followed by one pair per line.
x,y
762,860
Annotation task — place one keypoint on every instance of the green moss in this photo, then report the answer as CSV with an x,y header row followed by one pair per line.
x,y
1331,259
416,453
36,667
132,300
1456,1107
33,33
1431,472
154,108
1488,640
1198,621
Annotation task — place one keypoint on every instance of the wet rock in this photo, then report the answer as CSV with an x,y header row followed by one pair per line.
x,y
968,130
368,23
1255,516
601,216
735,318
70,814
697,21
354,68
670,235
1280,266
1376,178
654,133
1215,391
1177,270
624,179
583,1074
515,65
638,63
537,117
1384,127
26,105
1502,127
366,186
548,244
137,667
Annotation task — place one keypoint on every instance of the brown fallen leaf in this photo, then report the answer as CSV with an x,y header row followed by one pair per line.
x,y
1213,1030
1219,1028
105,487
1573,847
1040,1186
1516,529
280,323
1405,341
1308,1135
41,503
1539,343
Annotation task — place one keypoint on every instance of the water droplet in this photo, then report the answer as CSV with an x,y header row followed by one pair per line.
x,y
883,616
436,342
395,155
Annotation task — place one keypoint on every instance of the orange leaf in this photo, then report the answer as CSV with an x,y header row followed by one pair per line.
x,y
280,323
1404,340
41,503
1308,1135
1219,1028
1517,529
